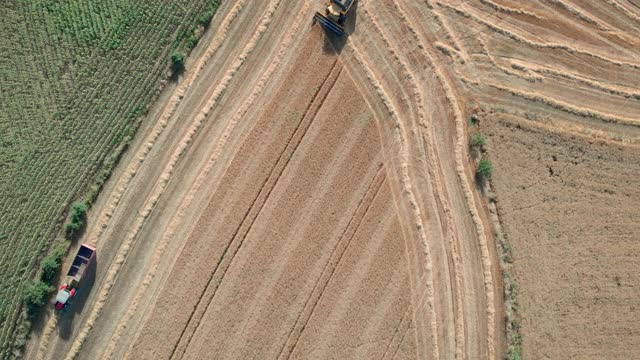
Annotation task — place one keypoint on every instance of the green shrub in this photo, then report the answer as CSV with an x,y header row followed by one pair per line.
x,y
484,169
478,140
177,61
35,296
78,215
50,265
191,41
205,19
515,350
473,120
78,212
71,229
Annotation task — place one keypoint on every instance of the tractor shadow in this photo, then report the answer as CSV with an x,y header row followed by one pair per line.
x,y
333,44
65,318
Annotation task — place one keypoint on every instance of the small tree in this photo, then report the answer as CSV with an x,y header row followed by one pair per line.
x,y
78,216
478,140
205,19
484,169
177,61
473,120
50,265
35,296
78,212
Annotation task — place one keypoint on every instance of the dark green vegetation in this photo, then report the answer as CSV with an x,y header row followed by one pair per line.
x,y
484,169
76,222
478,140
177,61
50,265
76,77
36,295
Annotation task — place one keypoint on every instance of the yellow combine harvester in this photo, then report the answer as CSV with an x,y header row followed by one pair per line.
x,y
335,17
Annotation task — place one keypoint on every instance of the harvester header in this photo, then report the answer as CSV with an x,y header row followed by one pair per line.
x,y
335,16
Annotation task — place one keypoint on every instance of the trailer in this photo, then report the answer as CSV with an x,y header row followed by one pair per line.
x,y
79,267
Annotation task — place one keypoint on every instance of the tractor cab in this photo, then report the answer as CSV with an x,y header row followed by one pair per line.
x,y
65,293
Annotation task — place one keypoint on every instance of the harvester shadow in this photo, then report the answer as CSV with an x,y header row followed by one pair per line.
x,y
333,44
65,319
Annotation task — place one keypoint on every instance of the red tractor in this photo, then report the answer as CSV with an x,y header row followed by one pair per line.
x,y
81,263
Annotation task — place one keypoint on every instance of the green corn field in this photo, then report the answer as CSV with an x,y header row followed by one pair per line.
x,y
75,79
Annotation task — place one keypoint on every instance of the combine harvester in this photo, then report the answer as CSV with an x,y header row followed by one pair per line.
x,y
336,14
79,268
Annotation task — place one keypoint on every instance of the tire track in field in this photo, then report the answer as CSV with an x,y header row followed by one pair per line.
x,y
509,10
558,104
401,329
348,142
381,114
440,194
334,260
354,275
392,292
586,24
580,15
623,10
467,189
186,203
470,14
607,88
411,246
400,134
164,178
528,76
258,203
129,174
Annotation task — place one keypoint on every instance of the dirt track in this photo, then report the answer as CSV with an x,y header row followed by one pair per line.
x,y
295,198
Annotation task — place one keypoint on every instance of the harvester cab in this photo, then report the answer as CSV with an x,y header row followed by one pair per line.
x,y
335,16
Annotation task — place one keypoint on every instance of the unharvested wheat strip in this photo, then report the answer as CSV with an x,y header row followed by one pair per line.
x,y
164,179
400,134
213,159
467,190
532,43
410,76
